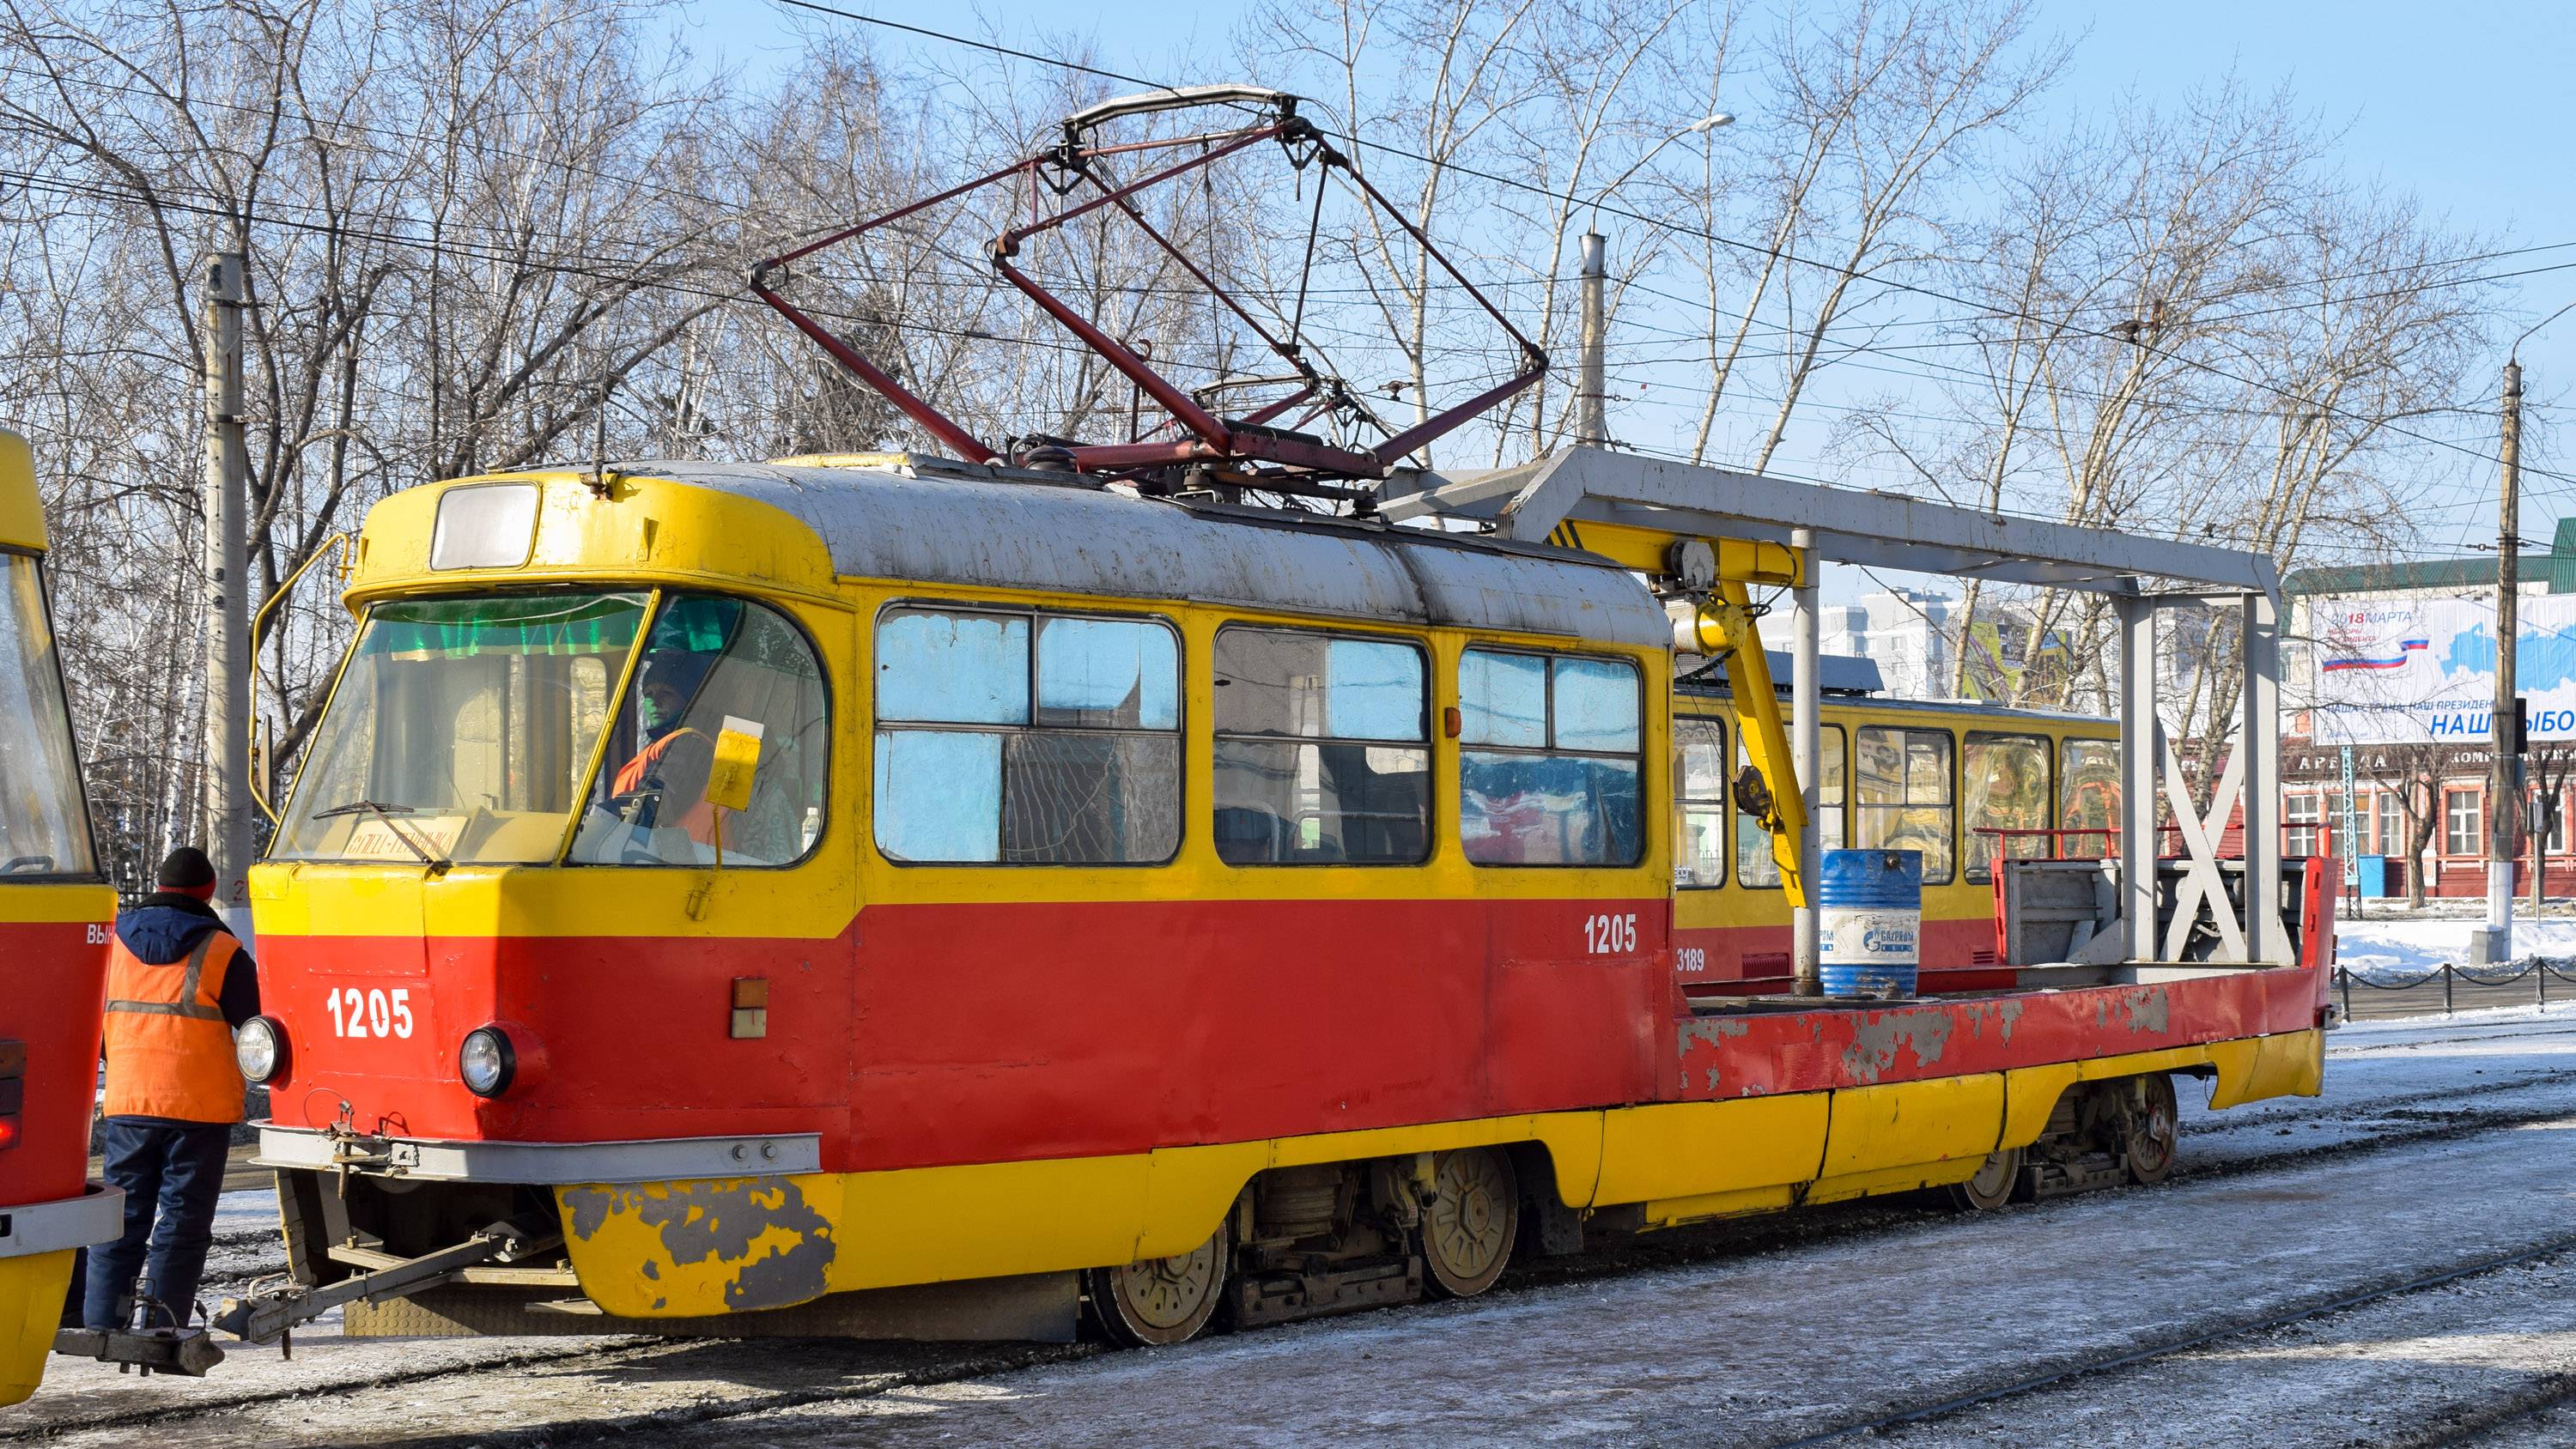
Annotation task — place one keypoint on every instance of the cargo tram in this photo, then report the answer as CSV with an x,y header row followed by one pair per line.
x,y
884,895
55,913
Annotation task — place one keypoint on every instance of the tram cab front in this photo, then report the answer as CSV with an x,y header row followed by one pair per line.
x,y
554,898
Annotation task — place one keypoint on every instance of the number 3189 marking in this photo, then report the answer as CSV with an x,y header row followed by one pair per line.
x,y
370,1013
1609,935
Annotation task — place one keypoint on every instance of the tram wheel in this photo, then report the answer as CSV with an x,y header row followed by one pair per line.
x,y
2152,1123
1161,1300
1475,1216
1993,1185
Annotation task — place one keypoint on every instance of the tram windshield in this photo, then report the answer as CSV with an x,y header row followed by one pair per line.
x,y
44,826
461,729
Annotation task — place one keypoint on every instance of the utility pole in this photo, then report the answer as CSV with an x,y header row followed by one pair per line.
x,y
2504,785
228,662
1590,431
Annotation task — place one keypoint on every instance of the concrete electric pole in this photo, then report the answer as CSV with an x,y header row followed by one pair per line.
x,y
2504,785
1590,428
228,663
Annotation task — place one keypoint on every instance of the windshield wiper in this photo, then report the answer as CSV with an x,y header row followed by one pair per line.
x,y
438,864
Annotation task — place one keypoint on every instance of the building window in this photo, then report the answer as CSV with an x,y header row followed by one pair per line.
x,y
2392,822
2007,785
2463,823
992,751
1905,796
1699,788
2300,816
1549,763
1755,865
1323,750
2548,830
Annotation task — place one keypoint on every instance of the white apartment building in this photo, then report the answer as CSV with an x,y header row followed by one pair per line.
x,y
1909,632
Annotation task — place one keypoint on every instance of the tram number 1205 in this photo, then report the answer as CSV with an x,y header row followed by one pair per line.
x,y
370,1013
1609,935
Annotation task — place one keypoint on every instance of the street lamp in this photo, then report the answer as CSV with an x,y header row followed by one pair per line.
x,y
1591,428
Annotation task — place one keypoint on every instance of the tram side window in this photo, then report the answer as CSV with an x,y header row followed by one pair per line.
x,y
720,678
1322,749
2088,793
1699,786
1755,865
1027,739
1550,761
2007,784
1905,796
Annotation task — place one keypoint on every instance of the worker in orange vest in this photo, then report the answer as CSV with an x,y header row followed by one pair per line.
x,y
177,984
673,764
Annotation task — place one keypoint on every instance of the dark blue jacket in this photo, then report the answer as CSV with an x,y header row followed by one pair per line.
x,y
167,926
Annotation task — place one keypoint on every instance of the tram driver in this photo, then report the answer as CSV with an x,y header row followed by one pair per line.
x,y
664,785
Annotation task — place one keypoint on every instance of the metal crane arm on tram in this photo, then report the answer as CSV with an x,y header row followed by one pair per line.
x,y
1643,511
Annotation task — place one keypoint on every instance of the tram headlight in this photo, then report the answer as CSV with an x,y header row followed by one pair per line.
x,y
486,1061
259,1049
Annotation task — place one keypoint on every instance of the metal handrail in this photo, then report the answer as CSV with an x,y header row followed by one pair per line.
x,y
259,631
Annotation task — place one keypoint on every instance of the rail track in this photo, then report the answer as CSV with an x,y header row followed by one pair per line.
x,y
1880,1424
733,1379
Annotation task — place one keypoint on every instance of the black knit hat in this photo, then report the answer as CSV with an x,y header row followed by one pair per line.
x,y
186,869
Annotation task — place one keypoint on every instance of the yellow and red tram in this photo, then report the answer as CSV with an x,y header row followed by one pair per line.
x,y
777,890
55,913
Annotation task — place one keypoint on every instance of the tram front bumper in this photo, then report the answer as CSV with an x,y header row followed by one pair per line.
x,y
540,1164
95,1216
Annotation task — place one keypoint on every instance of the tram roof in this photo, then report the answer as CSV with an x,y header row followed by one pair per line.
x,y
937,521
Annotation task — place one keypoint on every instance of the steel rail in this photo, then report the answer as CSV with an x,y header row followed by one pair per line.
x,y
2553,1247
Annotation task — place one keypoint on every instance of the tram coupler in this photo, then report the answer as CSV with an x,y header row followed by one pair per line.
x,y
269,1315
185,1351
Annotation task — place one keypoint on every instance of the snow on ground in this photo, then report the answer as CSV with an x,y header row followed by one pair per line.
x,y
2404,949
2471,1121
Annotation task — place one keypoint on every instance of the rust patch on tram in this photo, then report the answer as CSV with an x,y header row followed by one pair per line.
x,y
771,1246
2143,1010
1876,1040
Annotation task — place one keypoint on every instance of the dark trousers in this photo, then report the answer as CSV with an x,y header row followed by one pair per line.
x,y
172,1175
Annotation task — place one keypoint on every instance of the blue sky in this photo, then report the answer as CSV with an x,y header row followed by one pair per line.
x,y
2466,110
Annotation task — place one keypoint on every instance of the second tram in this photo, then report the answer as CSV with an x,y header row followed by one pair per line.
x,y
55,914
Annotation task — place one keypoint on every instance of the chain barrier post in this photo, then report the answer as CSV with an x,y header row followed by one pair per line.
x,y
2347,991
2446,988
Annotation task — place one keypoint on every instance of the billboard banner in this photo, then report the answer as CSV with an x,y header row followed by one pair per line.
x,y
2411,671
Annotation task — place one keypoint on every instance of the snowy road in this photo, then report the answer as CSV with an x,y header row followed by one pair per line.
x,y
2440,1147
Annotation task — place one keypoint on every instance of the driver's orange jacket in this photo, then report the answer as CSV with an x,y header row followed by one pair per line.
x,y
699,820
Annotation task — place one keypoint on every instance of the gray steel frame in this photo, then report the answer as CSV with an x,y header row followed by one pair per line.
x,y
1884,530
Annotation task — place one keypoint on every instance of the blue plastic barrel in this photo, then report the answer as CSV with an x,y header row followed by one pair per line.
x,y
1869,921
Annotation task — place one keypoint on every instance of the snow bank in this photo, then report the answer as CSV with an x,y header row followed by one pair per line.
x,y
2401,951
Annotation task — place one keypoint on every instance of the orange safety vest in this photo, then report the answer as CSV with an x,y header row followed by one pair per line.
x,y
699,820
169,1052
